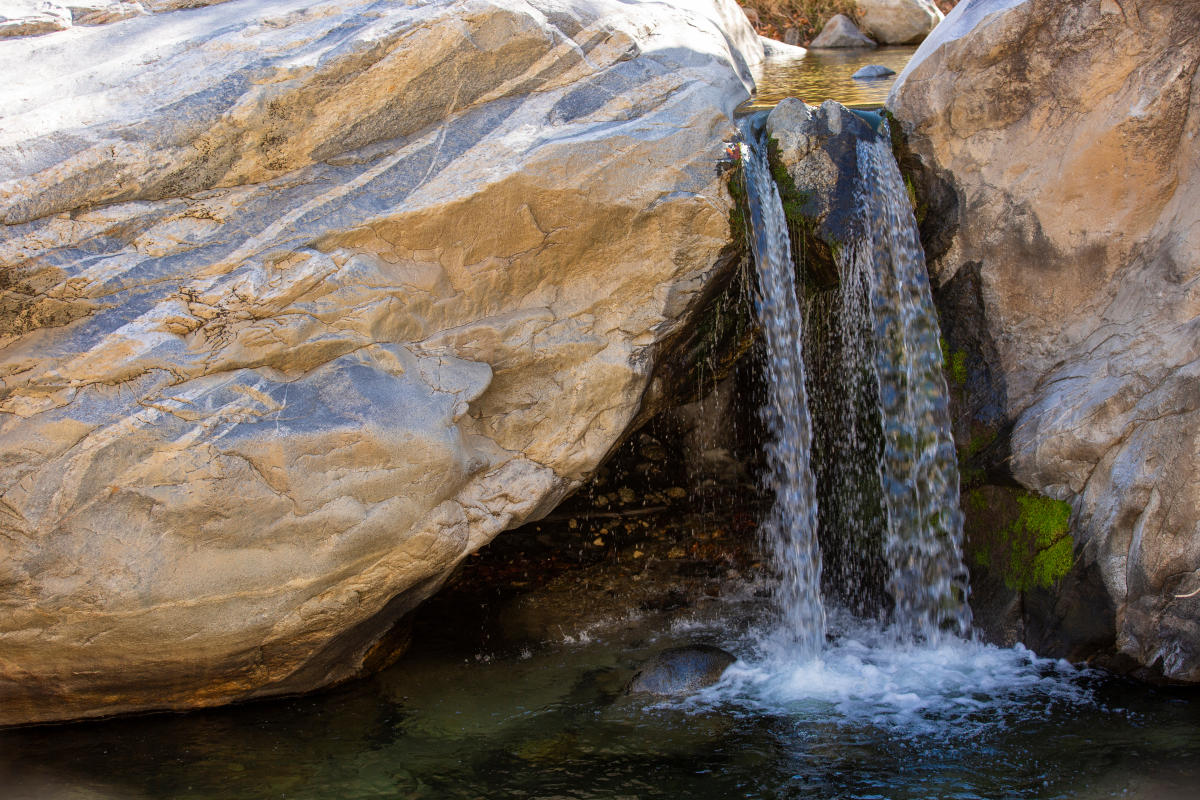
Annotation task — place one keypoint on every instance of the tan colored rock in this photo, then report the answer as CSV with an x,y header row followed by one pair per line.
x,y
840,32
31,18
1066,141
303,303
103,12
898,21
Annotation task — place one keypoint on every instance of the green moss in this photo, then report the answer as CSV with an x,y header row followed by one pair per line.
x,y
954,364
1040,545
1022,537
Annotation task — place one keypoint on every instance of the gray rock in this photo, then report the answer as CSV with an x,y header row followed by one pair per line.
x,y
270,367
873,71
819,149
898,21
840,32
1069,204
682,670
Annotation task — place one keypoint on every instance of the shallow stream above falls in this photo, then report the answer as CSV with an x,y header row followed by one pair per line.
x,y
826,75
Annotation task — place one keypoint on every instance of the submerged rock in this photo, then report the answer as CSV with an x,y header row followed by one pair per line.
x,y
898,21
271,367
840,32
682,670
873,71
1054,150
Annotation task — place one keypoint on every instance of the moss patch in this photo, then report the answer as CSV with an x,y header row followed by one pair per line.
x,y
1022,536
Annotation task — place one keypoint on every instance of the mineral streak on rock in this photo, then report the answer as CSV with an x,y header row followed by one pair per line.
x,y
303,303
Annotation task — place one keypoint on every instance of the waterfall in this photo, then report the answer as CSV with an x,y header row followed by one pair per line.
x,y
790,530
919,469
883,401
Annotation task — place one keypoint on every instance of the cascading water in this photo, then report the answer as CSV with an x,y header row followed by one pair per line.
x,y
790,531
919,469
886,336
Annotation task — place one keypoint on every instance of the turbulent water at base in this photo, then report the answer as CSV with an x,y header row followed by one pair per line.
x,y
790,531
919,468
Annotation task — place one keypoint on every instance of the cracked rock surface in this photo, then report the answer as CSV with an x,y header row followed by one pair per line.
x,y
1064,139
302,303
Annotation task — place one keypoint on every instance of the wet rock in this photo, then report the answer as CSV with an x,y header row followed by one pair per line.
x,y
818,146
840,32
873,71
898,21
1065,253
271,370
682,670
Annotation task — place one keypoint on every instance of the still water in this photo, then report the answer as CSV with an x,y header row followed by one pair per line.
x,y
825,75
867,718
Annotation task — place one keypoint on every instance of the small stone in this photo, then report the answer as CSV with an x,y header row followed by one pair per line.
x,y
676,552
677,493
840,32
598,541
627,495
572,524
638,554
873,71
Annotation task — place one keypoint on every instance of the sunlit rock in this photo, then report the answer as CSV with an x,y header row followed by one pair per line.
x,y
1060,180
840,32
898,21
303,303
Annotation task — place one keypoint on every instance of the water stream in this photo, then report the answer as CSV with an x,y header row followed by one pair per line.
x,y
919,470
790,530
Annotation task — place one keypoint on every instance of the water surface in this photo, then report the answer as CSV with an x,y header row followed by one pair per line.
x,y
825,75
869,718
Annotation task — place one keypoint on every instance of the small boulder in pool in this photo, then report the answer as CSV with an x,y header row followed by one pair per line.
x,y
873,71
682,670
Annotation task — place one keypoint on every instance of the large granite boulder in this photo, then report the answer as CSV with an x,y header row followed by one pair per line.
x,y
898,21
1058,150
301,303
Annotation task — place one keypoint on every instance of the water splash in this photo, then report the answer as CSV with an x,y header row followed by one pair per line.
x,y
790,531
919,469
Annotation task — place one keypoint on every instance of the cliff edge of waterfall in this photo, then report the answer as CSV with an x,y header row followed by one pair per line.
x,y
304,303
1054,150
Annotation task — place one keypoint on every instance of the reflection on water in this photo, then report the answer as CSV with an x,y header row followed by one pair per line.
x,y
868,718
825,75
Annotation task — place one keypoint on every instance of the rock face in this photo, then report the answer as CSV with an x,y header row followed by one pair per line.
x,y
1060,146
839,32
898,21
302,303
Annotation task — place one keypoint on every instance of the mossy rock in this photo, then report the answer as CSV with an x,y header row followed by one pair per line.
x,y
1021,536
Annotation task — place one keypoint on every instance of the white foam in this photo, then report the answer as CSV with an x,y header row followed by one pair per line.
x,y
952,688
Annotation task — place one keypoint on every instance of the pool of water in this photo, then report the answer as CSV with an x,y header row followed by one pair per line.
x,y
825,75
869,718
